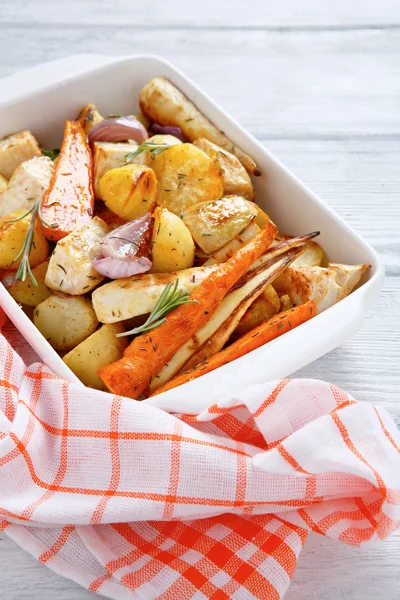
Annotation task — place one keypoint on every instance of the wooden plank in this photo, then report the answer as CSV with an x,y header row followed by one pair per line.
x,y
208,13
297,85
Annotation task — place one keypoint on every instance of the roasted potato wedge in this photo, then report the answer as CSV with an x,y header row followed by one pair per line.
x,y
160,138
126,298
16,149
129,191
12,238
285,303
163,103
325,286
25,291
234,177
70,268
186,176
98,350
107,156
262,309
65,322
214,224
173,246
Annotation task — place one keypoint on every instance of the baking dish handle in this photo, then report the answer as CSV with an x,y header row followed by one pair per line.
x,y
46,74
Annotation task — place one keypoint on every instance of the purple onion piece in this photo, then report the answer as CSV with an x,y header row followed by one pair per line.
x,y
168,130
118,129
113,268
130,240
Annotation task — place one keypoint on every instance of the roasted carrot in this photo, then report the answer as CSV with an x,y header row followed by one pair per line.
x,y
268,331
68,203
149,352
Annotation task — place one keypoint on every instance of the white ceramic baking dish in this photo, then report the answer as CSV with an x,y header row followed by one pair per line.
x,y
41,98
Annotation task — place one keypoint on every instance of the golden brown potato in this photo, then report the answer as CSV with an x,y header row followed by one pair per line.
x,y
234,177
12,237
98,350
129,191
173,246
107,156
26,292
186,176
285,302
214,224
163,103
262,309
65,322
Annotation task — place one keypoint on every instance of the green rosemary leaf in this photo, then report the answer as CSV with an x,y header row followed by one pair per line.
x,y
150,146
169,299
53,153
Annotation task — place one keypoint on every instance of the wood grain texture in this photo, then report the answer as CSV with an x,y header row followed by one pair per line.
x,y
319,84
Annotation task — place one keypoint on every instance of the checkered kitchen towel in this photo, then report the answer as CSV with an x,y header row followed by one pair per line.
x,y
135,503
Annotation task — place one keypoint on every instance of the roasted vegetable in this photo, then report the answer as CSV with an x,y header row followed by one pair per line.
x,y
68,202
262,309
325,286
209,340
65,322
173,246
131,375
163,103
230,248
12,239
25,291
214,224
186,176
129,191
127,298
16,149
28,184
70,269
107,156
98,350
88,117
285,303
257,337
312,257
3,184
234,177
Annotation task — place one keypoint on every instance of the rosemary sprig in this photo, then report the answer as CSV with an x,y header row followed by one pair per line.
x,y
150,146
169,299
24,268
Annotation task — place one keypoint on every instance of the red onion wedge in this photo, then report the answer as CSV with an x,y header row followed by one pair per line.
x,y
130,240
118,129
126,251
168,130
114,268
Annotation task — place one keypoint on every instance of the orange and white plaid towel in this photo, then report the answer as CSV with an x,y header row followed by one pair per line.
x,y
135,503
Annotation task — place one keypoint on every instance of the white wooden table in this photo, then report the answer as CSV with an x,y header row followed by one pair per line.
x,y
319,83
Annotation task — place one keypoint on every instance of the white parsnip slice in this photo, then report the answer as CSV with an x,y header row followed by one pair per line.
x,y
126,298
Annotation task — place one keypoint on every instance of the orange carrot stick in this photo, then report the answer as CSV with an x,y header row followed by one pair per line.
x,y
149,352
271,329
68,203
